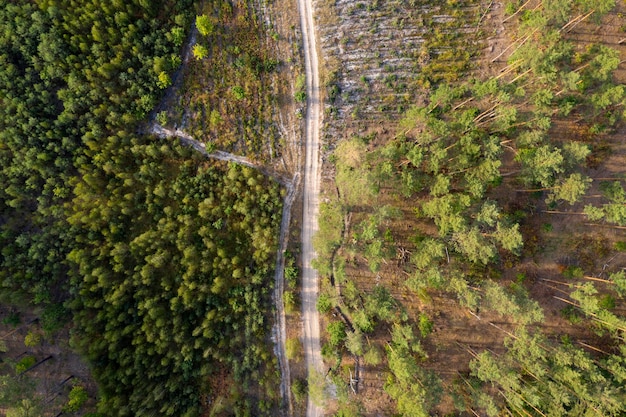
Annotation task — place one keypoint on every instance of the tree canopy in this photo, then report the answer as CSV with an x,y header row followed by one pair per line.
x,y
163,259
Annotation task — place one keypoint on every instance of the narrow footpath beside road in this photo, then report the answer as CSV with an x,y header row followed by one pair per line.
x,y
310,316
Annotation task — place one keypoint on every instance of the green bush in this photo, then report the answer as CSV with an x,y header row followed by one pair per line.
x,y
77,398
571,314
607,302
289,300
32,339
572,272
205,25
24,364
299,390
324,303
354,342
163,80
620,246
53,317
425,325
373,356
293,348
13,319
300,96
161,118
238,92
328,352
291,276
199,51
336,333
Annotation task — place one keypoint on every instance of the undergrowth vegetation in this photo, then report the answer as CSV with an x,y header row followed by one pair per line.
x,y
228,98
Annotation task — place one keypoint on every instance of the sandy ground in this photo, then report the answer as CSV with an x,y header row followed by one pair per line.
x,y
310,315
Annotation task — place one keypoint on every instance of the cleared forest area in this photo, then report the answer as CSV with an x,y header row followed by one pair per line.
x,y
472,237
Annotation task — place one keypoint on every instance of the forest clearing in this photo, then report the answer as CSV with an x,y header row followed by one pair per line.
x,y
160,195
471,239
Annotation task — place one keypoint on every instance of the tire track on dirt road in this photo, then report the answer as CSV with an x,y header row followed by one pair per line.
x,y
310,315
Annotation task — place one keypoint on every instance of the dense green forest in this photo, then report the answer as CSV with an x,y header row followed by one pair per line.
x,y
456,171
160,260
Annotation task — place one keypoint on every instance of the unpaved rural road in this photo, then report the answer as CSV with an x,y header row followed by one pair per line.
x,y
310,316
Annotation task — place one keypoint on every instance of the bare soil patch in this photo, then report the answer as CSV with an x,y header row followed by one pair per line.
x,y
54,378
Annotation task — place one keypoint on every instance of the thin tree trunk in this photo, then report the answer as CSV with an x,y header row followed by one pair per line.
x,y
518,46
36,365
507,174
502,330
593,316
49,400
606,281
517,11
519,409
521,75
66,380
485,113
562,212
592,347
534,190
606,225
36,319
556,289
474,412
558,282
509,68
579,20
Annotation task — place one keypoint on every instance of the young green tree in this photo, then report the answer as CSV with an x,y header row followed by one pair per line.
x,y
373,356
472,244
317,387
571,189
26,408
205,25
200,51
336,333
540,165
354,342
509,237
77,398
353,176
163,80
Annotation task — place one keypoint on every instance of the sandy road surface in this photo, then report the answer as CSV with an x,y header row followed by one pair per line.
x,y
310,316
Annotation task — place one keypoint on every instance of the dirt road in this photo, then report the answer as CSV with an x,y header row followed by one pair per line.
x,y
310,316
